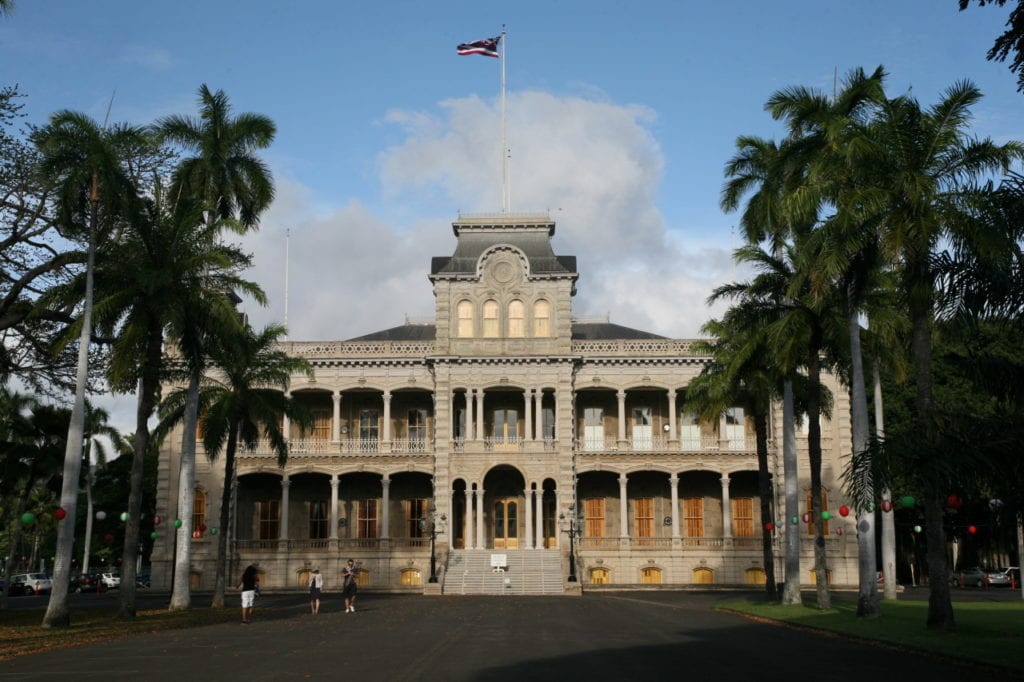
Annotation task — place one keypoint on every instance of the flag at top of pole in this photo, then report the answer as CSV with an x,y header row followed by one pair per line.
x,y
488,47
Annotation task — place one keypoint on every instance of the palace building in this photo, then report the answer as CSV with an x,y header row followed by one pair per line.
x,y
506,447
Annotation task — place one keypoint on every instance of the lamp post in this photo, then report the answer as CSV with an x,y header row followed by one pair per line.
x,y
571,526
437,526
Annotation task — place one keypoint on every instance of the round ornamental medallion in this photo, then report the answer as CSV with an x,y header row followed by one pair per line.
x,y
504,272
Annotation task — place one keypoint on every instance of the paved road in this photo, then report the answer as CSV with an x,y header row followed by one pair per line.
x,y
624,636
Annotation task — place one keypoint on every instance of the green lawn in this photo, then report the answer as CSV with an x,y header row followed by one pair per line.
x,y
986,632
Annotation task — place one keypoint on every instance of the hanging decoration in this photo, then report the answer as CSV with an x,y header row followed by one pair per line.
x,y
839,531
972,529
871,507
769,526
826,515
917,529
887,506
213,531
844,511
807,517
28,518
109,537
125,516
954,502
202,527
154,535
908,501
177,523
794,520
157,520
196,535
59,514
101,515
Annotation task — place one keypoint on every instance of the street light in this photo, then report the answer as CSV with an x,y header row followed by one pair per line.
x,y
437,526
573,527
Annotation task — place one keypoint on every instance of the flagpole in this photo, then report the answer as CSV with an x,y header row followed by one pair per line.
x,y
287,262
505,194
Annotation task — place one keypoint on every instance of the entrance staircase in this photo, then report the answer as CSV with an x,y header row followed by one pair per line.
x,y
533,571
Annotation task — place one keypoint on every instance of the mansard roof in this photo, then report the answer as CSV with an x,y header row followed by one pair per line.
x,y
581,331
405,332
530,234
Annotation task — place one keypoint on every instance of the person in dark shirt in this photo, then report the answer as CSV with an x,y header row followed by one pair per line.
x,y
249,583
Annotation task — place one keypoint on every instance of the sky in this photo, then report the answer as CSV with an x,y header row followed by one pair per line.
x,y
621,117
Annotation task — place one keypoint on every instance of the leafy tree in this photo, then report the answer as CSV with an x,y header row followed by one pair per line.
x,y
1011,41
240,405
232,182
83,162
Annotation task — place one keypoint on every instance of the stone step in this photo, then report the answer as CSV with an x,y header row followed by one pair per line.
x,y
527,572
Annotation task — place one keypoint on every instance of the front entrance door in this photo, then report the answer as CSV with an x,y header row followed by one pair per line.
x,y
506,523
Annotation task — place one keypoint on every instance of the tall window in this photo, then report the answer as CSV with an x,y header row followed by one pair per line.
x,y
490,320
541,319
593,428
321,428
547,418
735,428
268,519
464,312
693,516
415,515
516,325
417,428
199,511
318,520
742,517
369,424
367,521
643,512
689,431
593,517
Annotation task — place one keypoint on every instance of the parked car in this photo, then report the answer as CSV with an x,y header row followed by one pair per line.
x,y
1003,576
30,583
87,582
111,580
970,577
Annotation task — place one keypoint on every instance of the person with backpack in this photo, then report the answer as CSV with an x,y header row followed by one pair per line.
x,y
316,584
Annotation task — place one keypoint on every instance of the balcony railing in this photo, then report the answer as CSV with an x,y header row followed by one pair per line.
x,y
503,443
661,443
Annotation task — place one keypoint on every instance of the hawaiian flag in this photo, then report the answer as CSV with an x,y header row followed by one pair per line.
x,y
488,47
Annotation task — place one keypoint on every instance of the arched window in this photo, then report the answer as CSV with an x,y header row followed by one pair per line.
x,y
411,577
600,576
464,312
199,512
490,319
754,576
516,312
650,576
542,319
703,576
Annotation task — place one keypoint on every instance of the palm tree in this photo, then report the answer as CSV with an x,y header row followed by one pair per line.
x,y
225,174
83,160
165,263
240,406
6,6
741,374
97,427
759,169
926,159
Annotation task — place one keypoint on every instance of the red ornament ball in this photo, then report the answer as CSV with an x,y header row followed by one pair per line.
x,y
972,529
839,531
59,514
769,526
844,511
108,537
196,534
157,520
202,528
807,517
887,506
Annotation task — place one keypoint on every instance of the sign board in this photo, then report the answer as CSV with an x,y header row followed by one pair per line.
x,y
499,561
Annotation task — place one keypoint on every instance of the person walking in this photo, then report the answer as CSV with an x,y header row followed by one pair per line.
x,y
348,585
249,583
316,584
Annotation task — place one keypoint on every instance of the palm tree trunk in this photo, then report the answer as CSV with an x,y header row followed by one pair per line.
x,y
940,605
764,481
888,521
57,608
791,590
867,597
88,509
220,583
149,385
181,597
814,457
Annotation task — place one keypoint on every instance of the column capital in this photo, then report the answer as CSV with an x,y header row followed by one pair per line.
x,y
385,480
724,479
335,480
673,478
285,481
620,394
623,479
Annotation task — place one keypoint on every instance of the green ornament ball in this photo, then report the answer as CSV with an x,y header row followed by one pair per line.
x,y
907,501
125,516
28,518
213,531
871,507
177,523
794,520
153,535
825,516
917,529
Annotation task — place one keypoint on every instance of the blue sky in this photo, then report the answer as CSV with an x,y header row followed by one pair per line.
x,y
621,117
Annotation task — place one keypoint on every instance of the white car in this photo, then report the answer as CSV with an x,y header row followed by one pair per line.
x,y
111,580
31,583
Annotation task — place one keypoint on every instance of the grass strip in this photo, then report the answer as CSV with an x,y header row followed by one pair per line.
x,y
989,633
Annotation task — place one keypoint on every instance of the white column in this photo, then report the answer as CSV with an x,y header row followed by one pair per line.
x,y
726,508
480,518
285,485
528,503
469,415
528,415
623,508
673,432
286,422
334,507
336,417
673,481
386,431
621,395
538,415
385,516
480,415
467,522
539,520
